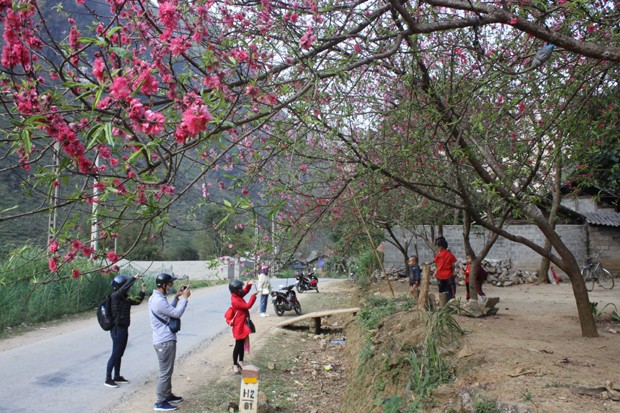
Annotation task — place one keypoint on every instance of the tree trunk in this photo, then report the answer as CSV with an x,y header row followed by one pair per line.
x,y
569,265
556,190
584,307
424,285
543,275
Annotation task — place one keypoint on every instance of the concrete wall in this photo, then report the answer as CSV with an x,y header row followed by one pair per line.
x,y
198,270
574,236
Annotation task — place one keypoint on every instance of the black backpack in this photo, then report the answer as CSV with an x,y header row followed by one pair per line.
x,y
104,314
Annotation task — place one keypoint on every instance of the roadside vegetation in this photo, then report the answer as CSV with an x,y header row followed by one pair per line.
x,y
388,358
30,294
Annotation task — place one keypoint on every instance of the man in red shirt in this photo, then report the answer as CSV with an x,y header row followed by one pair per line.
x,y
445,262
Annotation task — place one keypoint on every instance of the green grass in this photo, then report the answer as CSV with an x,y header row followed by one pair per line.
x,y
378,308
486,406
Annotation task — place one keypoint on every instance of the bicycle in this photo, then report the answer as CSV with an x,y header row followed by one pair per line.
x,y
594,271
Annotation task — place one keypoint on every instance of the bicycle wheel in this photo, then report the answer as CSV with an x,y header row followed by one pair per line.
x,y
605,279
586,273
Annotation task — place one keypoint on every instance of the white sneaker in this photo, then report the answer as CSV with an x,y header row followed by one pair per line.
x,y
263,315
266,315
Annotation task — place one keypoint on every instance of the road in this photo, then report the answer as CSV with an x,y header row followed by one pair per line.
x,y
62,369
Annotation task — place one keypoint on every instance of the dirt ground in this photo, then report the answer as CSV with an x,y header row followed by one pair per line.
x,y
532,352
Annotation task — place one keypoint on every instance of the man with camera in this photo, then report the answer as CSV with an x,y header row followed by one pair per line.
x,y
162,315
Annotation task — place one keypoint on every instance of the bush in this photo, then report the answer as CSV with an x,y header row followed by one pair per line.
x,y
29,293
366,263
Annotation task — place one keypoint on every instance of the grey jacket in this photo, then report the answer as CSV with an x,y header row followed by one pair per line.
x,y
159,305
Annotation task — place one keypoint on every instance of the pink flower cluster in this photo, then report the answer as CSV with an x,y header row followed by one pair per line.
x,y
27,101
145,120
306,40
169,17
164,190
195,118
76,247
16,33
58,129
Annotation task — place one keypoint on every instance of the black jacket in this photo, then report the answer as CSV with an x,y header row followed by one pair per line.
x,y
121,304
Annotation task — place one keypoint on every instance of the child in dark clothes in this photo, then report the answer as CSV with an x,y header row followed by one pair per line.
x,y
415,276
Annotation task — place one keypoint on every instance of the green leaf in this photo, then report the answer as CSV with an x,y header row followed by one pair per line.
x,y
27,141
90,40
93,135
108,134
78,84
97,98
120,52
33,120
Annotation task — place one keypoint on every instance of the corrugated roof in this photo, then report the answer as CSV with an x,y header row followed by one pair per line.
x,y
605,218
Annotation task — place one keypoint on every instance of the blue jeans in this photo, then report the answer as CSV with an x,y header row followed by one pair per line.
x,y
263,303
120,336
166,353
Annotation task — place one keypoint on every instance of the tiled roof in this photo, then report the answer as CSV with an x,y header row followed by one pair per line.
x,y
605,218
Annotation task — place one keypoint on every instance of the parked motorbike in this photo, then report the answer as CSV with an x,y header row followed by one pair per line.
x,y
285,299
306,282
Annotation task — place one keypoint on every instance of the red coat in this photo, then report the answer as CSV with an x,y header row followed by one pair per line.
x,y
240,329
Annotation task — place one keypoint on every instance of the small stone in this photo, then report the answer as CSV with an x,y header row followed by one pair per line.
x,y
465,352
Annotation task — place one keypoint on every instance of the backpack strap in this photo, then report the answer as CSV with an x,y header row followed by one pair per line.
x,y
233,319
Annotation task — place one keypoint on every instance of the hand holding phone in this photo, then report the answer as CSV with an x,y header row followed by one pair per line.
x,y
185,291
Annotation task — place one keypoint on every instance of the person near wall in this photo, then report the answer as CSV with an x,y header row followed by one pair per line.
x,y
263,286
415,276
121,304
240,329
164,340
481,277
445,262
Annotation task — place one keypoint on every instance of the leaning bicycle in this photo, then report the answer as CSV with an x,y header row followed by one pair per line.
x,y
594,272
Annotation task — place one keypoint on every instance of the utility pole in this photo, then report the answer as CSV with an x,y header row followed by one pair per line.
x,y
94,226
53,216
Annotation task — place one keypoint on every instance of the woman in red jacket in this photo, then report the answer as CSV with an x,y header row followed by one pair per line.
x,y
241,331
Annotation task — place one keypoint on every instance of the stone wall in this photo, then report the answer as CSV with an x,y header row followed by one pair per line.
x,y
575,236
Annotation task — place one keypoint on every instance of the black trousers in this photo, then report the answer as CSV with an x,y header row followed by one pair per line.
x,y
447,286
120,336
238,352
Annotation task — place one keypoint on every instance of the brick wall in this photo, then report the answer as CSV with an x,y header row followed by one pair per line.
x,y
606,240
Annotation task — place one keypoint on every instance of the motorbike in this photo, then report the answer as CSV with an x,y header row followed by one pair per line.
x,y
285,299
306,282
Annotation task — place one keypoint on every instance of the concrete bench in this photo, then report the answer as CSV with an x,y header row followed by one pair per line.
x,y
316,317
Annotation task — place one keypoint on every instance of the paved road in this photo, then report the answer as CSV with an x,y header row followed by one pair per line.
x,y
63,370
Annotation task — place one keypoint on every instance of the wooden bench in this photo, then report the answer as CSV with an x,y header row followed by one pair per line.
x,y
316,317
